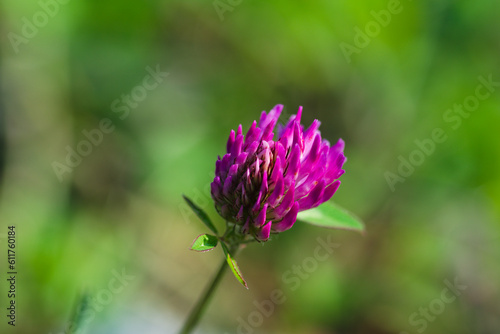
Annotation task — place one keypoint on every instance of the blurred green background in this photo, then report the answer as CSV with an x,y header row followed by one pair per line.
x,y
109,235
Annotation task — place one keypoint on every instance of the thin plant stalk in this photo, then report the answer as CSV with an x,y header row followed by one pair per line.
x,y
202,304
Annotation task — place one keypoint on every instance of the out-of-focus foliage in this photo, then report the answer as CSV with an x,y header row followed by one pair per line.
x,y
113,230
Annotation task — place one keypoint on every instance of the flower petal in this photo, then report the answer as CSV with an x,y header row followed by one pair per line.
x,y
256,207
253,134
239,216
277,171
218,166
246,226
285,204
274,114
270,122
289,219
338,147
314,196
299,115
264,233
215,187
264,186
252,148
329,191
297,136
261,218
230,141
280,152
334,169
309,162
277,193
233,170
228,183
236,148
241,158
293,166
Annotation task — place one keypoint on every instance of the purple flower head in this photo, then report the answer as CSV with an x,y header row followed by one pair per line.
x,y
261,184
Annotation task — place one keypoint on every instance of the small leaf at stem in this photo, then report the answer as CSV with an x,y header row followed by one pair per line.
x,y
330,215
204,243
201,214
234,266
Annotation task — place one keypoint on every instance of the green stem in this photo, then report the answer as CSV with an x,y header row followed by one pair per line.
x,y
200,307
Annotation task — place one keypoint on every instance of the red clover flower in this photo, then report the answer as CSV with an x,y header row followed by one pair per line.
x,y
261,184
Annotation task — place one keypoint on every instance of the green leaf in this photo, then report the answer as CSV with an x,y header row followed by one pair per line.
x,y
234,266
330,215
204,243
201,214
